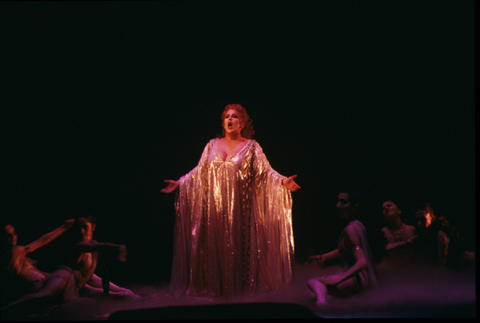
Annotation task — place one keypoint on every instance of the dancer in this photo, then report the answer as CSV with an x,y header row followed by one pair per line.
x,y
398,234
358,270
431,245
20,274
438,242
68,280
233,231
400,237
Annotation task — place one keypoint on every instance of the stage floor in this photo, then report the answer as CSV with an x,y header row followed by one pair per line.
x,y
407,291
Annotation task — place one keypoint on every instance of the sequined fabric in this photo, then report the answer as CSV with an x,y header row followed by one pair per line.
x,y
233,233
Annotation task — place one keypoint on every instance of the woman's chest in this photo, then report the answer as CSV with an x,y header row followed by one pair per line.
x,y
86,260
227,151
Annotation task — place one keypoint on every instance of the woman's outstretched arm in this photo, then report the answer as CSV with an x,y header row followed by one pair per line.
x,y
320,259
48,237
171,187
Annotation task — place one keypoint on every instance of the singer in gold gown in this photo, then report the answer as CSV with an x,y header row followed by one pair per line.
x,y
233,233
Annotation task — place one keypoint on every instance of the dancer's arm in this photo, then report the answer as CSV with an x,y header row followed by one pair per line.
x,y
105,278
48,237
99,248
330,255
395,245
94,246
360,263
320,259
410,237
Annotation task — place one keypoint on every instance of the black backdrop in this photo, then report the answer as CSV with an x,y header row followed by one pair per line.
x,y
103,101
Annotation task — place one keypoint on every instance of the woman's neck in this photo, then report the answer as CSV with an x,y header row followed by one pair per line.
x,y
395,224
234,136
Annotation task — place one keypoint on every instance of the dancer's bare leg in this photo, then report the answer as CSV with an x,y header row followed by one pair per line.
x,y
345,288
53,287
319,289
95,292
94,289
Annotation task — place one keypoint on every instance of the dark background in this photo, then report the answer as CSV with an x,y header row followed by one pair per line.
x,y
103,101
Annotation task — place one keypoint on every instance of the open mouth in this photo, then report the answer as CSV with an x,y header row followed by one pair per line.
x,y
229,125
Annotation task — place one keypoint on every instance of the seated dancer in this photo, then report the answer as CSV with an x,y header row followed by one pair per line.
x,y
66,282
400,237
438,242
431,245
19,273
358,271
398,234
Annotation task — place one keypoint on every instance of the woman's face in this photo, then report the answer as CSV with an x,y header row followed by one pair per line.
x,y
11,235
390,210
86,229
232,122
345,208
424,219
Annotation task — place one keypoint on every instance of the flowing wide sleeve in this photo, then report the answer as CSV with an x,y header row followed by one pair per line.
x,y
271,224
189,212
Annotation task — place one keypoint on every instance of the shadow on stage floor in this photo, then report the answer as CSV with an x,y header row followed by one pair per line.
x,y
222,311
284,311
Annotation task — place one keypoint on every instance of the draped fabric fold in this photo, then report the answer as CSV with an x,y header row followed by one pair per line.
x,y
369,275
233,233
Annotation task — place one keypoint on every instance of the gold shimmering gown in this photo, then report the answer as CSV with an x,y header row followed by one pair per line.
x,y
233,232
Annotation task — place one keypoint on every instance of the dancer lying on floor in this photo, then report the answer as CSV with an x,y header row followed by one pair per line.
x,y
67,281
358,271
19,272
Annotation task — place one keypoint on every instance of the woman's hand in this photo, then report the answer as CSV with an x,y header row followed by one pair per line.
x,y
122,253
290,184
172,186
68,224
411,239
318,259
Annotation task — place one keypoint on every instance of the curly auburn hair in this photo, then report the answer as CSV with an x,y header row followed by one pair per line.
x,y
247,131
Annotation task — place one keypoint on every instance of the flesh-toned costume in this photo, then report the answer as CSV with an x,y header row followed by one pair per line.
x,y
71,273
347,243
73,281
233,231
21,276
28,272
403,234
402,256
